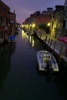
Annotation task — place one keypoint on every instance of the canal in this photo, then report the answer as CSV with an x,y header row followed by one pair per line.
x,y
19,76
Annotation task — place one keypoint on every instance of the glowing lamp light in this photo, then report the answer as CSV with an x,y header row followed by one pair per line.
x,y
48,24
30,24
33,25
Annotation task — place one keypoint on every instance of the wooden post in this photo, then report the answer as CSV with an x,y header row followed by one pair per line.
x,y
54,45
40,35
48,40
45,39
61,50
48,44
51,42
66,51
60,53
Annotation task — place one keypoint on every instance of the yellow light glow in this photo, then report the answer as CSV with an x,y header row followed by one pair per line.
x,y
32,43
30,25
33,25
48,24
24,35
30,39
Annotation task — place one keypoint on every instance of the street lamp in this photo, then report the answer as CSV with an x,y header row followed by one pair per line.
x,y
48,24
33,25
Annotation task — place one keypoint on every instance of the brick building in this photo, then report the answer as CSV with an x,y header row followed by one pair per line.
x,y
41,19
4,21
12,22
37,18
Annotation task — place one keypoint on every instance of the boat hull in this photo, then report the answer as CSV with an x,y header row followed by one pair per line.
x,y
46,61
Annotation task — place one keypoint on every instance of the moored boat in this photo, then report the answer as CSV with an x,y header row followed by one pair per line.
x,y
12,38
46,61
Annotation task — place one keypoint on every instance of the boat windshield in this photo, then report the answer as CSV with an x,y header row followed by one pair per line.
x,y
46,57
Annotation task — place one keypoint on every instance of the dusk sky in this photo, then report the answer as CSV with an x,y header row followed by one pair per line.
x,y
24,8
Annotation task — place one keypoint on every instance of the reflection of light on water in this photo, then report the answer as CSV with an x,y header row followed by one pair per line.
x,y
30,39
27,36
24,35
23,31
32,43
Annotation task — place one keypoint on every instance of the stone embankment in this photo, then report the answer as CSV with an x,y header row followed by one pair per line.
x,y
55,45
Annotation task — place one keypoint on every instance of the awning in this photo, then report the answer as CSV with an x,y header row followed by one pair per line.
x,y
64,39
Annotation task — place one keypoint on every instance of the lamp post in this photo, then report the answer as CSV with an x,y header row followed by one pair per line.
x,y
33,26
48,27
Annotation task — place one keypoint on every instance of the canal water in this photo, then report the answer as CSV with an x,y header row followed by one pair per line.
x,y
19,76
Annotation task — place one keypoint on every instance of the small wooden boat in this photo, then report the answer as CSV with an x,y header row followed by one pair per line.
x,y
46,61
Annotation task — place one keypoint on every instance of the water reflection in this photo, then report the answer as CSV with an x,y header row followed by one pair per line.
x,y
57,83
31,40
5,55
59,78
35,43
47,75
62,80
24,35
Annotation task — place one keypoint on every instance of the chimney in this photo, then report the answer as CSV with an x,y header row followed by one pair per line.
x,y
14,11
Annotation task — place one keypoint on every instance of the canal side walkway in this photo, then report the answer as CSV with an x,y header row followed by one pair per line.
x,y
57,46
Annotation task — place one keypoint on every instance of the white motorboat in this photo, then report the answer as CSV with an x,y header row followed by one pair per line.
x,y
46,61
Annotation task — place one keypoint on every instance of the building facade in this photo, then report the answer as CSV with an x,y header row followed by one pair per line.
x,y
12,22
57,21
41,19
37,18
4,21
65,5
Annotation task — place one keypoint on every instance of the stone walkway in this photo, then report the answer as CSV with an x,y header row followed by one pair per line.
x,y
56,45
